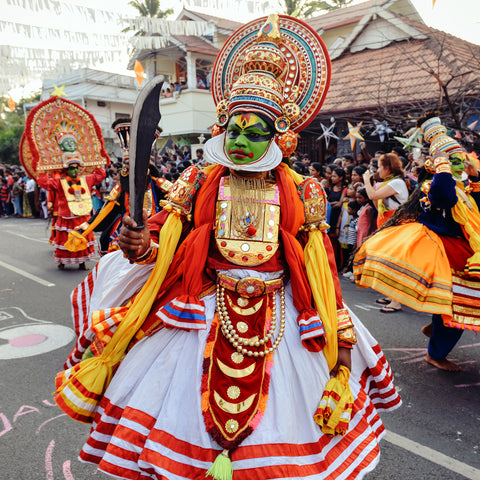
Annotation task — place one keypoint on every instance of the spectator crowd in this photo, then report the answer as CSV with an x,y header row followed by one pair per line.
x,y
357,187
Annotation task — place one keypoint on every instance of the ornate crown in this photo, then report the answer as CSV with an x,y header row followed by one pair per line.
x,y
278,67
436,134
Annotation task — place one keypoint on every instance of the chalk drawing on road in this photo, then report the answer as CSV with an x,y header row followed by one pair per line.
x,y
23,336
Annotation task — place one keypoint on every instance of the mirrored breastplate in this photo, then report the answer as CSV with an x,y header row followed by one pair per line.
x,y
246,232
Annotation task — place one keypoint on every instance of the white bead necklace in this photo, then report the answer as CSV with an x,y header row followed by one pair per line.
x,y
240,343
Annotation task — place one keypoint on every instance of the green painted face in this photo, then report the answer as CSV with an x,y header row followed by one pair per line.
x,y
457,162
68,144
247,138
72,170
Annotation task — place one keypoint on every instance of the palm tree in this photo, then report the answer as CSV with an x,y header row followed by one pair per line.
x,y
150,8
147,8
306,8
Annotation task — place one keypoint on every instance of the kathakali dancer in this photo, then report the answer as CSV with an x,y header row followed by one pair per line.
x,y
221,347
63,138
427,256
108,219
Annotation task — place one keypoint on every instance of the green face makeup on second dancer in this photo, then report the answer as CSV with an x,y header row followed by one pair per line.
x,y
247,138
457,162
72,171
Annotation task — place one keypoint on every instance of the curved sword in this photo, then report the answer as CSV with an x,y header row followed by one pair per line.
x,y
145,118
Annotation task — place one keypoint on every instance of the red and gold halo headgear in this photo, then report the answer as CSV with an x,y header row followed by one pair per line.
x,y
52,121
278,67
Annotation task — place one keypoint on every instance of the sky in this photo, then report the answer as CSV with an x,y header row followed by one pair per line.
x,y
458,17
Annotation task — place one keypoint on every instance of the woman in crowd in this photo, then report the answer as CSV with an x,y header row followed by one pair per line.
x,y
392,192
389,195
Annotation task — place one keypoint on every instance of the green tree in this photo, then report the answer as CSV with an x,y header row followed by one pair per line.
x,y
306,8
147,8
150,8
12,125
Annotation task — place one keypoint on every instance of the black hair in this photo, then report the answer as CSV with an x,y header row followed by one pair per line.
x,y
354,205
340,172
360,169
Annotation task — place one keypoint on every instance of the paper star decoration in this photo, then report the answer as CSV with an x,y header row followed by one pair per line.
x,y
327,133
381,129
58,91
409,143
353,134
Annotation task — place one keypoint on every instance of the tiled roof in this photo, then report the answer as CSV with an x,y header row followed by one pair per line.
x,y
197,45
343,16
222,23
397,74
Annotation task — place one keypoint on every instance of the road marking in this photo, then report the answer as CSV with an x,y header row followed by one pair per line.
x,y
433,456
39,280
363,306
26,237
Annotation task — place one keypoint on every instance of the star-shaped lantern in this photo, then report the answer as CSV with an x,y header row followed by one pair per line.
x,y
58,91
327,133
410,142
381,129
353,134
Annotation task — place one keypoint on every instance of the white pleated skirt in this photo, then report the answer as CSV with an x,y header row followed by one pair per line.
x,y
150,423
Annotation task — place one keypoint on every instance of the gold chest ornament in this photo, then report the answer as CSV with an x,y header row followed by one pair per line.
x,y
79,203
246,230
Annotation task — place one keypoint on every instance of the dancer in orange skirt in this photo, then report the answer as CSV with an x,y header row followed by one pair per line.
x,y
427,256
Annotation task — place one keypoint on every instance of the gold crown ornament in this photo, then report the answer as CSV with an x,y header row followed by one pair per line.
x,y
276,66
436,135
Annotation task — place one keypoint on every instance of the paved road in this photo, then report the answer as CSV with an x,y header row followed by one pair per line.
x,y
434,435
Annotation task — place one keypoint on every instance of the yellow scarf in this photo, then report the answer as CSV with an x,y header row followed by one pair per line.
x,y
381,205
465,212
321,282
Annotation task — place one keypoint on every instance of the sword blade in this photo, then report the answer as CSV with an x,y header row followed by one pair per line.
x,y
145,118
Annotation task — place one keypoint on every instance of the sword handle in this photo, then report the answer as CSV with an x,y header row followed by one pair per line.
x,y
132,255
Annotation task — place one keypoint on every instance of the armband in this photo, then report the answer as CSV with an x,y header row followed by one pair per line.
x,y
314,202
475,186
442,165
113,194
163,184
343,319
345,332
182,193
347,335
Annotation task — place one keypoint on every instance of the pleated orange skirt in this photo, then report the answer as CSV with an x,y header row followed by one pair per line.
x,y
408,263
